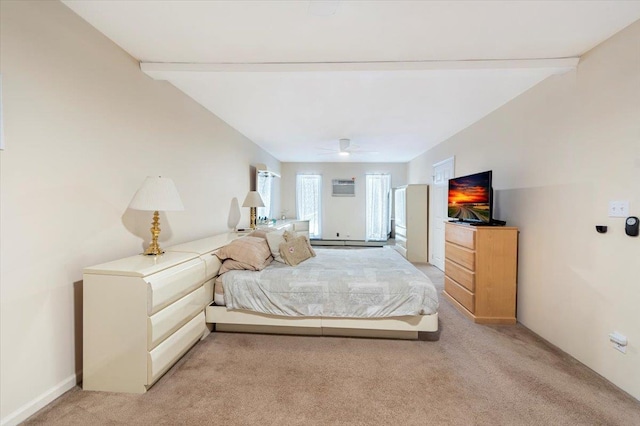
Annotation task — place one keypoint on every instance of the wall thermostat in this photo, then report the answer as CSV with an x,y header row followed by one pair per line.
x,y
631,226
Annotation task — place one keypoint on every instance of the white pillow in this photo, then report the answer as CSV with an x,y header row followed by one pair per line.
x,y
274,239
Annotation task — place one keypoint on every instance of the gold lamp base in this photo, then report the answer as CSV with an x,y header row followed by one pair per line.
x,y
253,217
154,248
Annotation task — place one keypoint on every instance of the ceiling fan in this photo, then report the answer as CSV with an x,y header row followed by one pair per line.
x,y
346,148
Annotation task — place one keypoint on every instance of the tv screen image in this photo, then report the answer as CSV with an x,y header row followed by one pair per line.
x,y
470,198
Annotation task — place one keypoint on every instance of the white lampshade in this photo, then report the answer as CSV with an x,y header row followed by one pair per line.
x,y
253,199
157,194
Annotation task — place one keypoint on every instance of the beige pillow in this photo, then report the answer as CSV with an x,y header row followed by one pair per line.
x,y
261,233
274,239
290,235
295,251
253,252
230,265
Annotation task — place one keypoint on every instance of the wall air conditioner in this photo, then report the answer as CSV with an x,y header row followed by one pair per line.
x,y
343,188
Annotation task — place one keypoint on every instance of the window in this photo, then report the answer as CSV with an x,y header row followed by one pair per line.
x,y
263,186
378,188
308,191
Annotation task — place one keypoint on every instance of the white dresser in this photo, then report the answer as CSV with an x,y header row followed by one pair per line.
x,y
301,227
411,221
142,313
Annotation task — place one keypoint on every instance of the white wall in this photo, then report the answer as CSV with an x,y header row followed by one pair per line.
x,y
343,215
83,128
559,153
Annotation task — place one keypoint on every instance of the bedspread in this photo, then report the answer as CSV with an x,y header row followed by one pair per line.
x,y
357,283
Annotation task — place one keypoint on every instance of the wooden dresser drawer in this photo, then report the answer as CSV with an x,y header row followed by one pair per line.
x,y
462,235
461,256
461,294
462,276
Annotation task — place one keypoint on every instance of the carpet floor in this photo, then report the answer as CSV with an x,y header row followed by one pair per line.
x,y
474,375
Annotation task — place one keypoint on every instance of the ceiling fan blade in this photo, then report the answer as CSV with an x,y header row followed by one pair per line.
x,y
346,148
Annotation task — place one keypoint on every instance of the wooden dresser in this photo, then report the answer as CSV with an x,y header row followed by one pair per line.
x,y
142,313
481,271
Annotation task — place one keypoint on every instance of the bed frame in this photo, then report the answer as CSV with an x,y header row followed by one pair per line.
x,y
420,327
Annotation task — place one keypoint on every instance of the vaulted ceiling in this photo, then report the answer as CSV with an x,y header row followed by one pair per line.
x,y
394,77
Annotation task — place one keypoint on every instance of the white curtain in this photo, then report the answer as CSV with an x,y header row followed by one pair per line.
x,y
264,189
378,189
308,207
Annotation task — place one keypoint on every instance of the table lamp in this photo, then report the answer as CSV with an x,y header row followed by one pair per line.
x,y
156,194
253,200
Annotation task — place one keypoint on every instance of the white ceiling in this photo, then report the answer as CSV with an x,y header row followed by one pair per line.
x,y
395,77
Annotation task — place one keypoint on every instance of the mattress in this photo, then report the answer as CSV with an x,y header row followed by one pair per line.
x,y
360,283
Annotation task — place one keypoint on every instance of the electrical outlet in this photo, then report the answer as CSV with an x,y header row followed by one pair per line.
x,y
620,348
618,208
619,341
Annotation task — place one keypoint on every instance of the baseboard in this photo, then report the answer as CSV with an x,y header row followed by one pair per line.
x,y
38,403
348,243
366,243
327,242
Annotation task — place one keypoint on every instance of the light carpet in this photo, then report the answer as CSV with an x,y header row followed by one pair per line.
x,y
474,375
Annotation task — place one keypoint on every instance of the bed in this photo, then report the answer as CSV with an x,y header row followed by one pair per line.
x,y
368,292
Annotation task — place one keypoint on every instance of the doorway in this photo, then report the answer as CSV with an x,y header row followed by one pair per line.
x,y
442,172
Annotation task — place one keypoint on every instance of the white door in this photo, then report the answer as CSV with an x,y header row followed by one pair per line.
x,y
442,172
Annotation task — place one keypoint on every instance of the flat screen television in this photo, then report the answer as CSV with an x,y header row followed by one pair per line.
x,y
471,198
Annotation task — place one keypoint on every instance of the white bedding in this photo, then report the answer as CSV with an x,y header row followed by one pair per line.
x,y
358,283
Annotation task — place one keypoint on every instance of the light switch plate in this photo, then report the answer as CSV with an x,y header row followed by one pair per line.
x,y
618,208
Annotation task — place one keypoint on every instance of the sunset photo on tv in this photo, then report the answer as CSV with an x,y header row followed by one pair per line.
x,y
470,197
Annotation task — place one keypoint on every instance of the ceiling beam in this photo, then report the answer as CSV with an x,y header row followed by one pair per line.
x,y
168,70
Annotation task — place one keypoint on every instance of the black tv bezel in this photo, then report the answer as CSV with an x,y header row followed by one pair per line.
x,y
490,173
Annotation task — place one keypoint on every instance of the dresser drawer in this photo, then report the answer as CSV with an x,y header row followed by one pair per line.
x,y
166,353
167,321
168,286
460,255
461,294
401,230
209,286
462,276
401,241
212,265
462,235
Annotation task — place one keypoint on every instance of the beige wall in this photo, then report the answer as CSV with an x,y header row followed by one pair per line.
x,y
83,128
559,154
344,215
